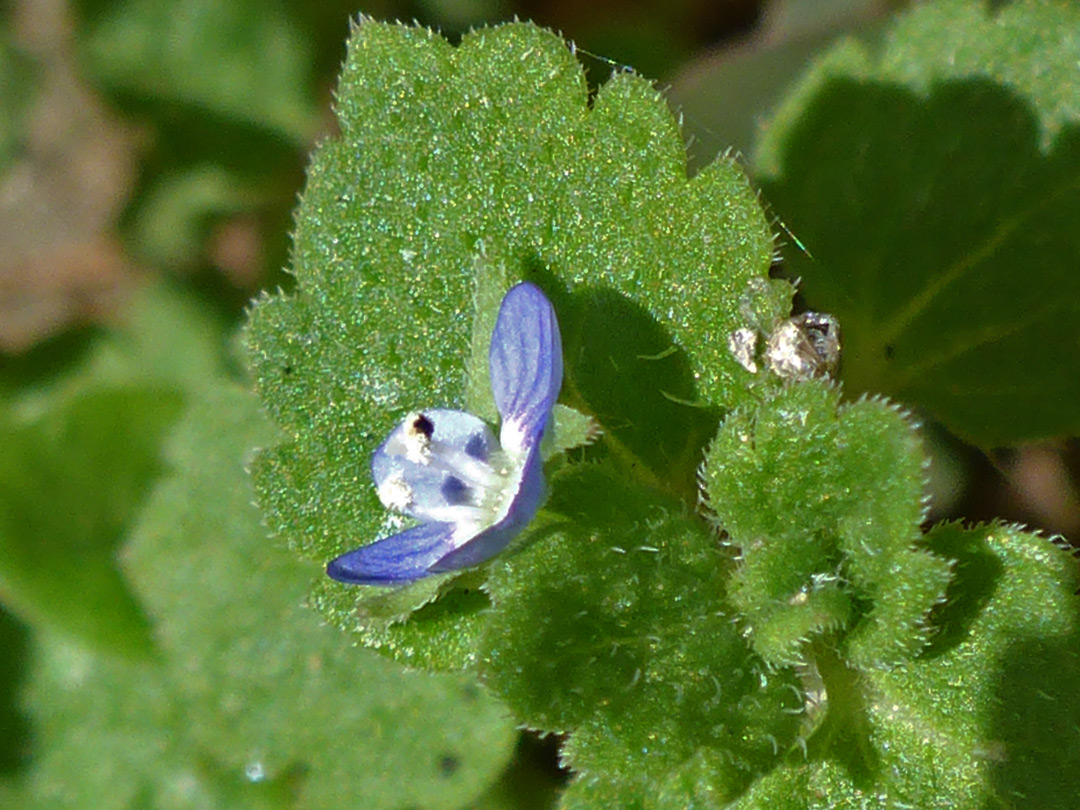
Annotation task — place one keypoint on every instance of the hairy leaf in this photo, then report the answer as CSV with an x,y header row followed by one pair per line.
x,y
614,625
459,171
824,504
985,717
265,687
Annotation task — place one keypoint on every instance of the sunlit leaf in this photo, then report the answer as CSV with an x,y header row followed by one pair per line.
x,y
459,171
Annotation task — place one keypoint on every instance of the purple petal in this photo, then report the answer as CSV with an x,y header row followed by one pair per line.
x,y
526,361
394,560
522,510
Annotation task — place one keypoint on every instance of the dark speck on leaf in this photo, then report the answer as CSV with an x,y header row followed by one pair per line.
x,y
448,764
889,350
287,370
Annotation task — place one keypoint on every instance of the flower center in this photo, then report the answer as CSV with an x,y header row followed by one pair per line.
x,y
477,484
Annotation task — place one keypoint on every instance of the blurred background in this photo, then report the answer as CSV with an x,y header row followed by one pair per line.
x,y
143,140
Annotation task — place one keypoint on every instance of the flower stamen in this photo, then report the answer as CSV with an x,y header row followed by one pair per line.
x,y
395,493
470,491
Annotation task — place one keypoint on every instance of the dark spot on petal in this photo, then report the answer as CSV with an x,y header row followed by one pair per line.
x,y
477,448
421,424
449,764
455,490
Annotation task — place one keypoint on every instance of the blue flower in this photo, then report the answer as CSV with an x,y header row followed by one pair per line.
x,y
471,492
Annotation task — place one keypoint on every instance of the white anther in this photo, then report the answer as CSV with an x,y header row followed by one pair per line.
x,y
395,493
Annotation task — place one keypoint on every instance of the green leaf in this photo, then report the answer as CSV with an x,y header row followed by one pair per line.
x,y
234,59
19,82
933,184
112,734
568,429
613,625
458,172
445,615
991,707
264,684
71,480
822,785
81,451
985,717
824,502
107,735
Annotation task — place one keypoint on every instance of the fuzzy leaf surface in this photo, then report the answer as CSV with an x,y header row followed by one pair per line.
x,y
986,717
824,502
934,184
459,171
614,625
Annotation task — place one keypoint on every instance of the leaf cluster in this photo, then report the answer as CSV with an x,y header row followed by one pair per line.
x,y
796,640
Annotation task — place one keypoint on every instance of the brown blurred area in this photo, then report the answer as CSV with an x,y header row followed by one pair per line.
x,y
63,263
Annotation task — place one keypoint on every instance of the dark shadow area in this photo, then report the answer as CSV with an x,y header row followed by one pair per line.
x,y
1034,730
975,578
48,360
457,602
534,779
624,369
15,732
943,236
